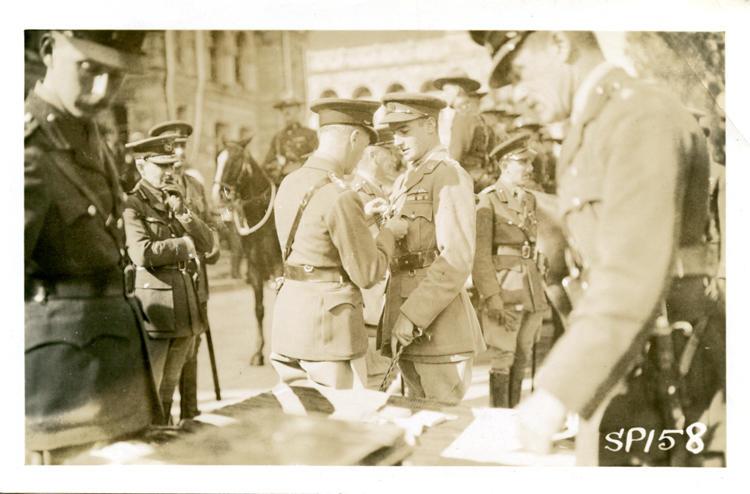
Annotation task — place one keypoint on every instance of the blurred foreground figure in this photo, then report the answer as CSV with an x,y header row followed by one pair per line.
x,y
87,374
645,347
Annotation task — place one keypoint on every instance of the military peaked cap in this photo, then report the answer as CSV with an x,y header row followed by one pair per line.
x,y
459,78
500,44
514,148
159,150
404,107
120,49
175,128
332,111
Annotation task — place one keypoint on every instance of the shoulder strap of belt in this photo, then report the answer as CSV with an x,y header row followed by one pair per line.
x,y
495,199
295,224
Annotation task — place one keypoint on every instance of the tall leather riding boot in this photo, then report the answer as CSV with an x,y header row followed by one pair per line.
x,y
499,388
516,381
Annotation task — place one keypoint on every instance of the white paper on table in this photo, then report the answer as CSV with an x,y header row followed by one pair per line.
x,y
354,404
493,437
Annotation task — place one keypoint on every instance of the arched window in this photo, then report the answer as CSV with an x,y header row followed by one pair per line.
x,y
395,87
362,92
329,93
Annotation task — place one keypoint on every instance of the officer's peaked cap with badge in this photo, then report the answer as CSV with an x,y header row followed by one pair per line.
x,y
337,111
516,147
176,128
160,150
500,45
404,107
119,49
458,78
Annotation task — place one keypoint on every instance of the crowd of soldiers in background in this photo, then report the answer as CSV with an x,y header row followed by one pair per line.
x,y
169,232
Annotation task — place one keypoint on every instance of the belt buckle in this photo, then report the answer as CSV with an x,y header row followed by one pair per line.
x,y
307,268
526,251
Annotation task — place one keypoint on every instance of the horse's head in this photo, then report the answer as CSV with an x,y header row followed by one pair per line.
x,y
239,179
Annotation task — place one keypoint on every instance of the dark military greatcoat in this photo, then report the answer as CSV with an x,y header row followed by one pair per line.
x,y
86,371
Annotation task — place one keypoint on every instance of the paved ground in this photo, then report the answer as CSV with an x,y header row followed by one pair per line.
x,y
233,328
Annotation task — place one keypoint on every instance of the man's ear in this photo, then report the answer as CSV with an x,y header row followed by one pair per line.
x,y
46,44
562,46
430,124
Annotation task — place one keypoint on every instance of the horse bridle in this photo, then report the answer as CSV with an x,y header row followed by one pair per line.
x,y
242,227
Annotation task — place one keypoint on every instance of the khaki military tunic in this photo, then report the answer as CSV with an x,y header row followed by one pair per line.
x,y
323,320
435,197
633,185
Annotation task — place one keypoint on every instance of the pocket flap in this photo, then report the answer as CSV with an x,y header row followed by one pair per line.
x,y
332,300
154,280
417,209
77,321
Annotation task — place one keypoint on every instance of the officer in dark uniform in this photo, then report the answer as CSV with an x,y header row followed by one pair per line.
x,y
329,254
291,146
166,242
196,201
471,138
506,273
645,343
87,373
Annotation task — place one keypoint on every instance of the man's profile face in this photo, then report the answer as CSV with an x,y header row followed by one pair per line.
x,y
516,172
290,114
542,78
415,137
156,175
82,86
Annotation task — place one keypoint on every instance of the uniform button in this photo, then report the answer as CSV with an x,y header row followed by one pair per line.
x,y
120,223
51,117
91,210
122,252
146,285
509,222
27,117
576,201
599,90
174,236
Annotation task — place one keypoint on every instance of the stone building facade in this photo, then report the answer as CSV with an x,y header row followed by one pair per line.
x,y
234,77
404,60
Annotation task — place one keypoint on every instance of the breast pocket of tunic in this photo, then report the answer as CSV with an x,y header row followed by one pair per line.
x,y
421,232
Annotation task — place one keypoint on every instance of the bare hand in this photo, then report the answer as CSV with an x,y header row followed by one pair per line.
x,y
402,333
376,206
175,203
540,416
496,308
398,226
